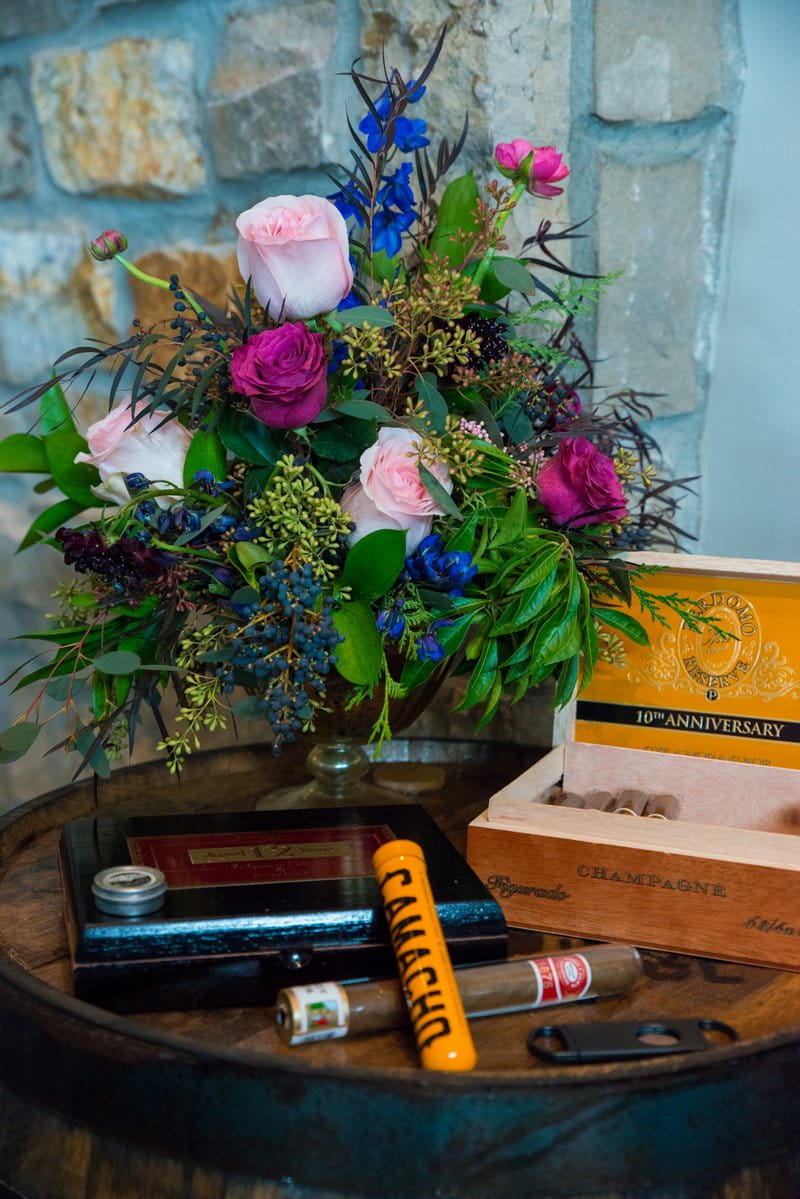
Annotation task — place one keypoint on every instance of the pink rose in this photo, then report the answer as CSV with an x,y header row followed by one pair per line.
x,y
390,493
513,160
295,250
579,485
283,372
148,446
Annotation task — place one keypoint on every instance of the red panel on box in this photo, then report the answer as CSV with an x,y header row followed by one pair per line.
x,y
282,856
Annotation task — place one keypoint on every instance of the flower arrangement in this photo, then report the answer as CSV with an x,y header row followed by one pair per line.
x,y
385,454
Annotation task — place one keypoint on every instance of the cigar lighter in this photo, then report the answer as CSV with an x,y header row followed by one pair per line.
x,y
426,972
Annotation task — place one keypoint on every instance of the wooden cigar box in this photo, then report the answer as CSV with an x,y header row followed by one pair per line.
x,y
714,722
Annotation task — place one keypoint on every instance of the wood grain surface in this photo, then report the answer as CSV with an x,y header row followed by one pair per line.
x,y
212,1104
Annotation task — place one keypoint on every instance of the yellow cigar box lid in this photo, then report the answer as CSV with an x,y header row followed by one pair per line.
x,y
729,691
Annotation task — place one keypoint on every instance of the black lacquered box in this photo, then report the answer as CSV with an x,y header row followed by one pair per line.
x,y
256,901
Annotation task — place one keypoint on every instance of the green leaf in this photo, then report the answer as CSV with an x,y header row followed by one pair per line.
x,y
206,452
362,410
457,212
539,569
483,676
23,452
513,275
246,595
381,266
98,761
250,708
248,556
558,638
366,314
49,520
373,564
54,412
432,398
344,440
591,642
63,688
120,661
463,538
512,526
416,672
247,438
566,678
17,740
529,605
360,655
623,622
75,479
438,493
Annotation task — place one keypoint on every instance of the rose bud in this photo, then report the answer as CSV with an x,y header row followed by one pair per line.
x,y
535,166
108,245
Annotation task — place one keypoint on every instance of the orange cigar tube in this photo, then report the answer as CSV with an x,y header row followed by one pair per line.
x,y
426,972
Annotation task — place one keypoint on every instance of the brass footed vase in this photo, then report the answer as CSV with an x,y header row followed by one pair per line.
x,y
337,762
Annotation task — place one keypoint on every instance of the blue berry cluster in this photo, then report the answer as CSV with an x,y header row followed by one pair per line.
x,y
283,648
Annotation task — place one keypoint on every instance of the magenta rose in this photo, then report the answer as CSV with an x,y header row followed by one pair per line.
x,y
283,372
390,493
537,166
579,485
296,251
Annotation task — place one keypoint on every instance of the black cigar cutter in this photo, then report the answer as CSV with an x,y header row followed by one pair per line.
x,y
620,1040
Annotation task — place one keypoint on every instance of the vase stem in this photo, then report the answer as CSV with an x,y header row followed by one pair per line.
x,y
338,765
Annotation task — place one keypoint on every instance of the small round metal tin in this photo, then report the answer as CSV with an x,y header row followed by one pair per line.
x,y
129,890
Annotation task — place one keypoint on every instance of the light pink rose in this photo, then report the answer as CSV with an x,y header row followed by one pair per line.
x,y
545,166
296,251
148,447
579,485
390,493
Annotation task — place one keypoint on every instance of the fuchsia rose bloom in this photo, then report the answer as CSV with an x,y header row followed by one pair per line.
x,y
283,372
149,446
296,251
579,485
546,165
390,493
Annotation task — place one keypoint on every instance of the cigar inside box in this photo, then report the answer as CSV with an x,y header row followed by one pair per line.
x,y
569,847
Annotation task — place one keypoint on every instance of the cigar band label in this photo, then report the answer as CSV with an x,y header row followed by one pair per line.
x,y
567,976
321,1012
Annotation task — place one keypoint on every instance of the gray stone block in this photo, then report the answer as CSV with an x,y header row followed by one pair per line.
x,y
657,61
19,18
649,226
16,160
268,104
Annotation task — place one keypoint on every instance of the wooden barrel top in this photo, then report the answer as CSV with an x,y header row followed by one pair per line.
x,y
211,1104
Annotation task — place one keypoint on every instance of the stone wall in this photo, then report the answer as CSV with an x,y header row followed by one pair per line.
x,y
166,120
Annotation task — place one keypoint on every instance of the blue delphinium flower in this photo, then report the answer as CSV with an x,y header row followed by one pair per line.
x,y
429,648
441,571
408,133
388,227
350,202
391,620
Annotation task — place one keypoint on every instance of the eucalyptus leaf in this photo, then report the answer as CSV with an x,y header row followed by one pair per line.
x,y
120,661
250,708
438,493
513,275
17,740
361,410
367,314
64,688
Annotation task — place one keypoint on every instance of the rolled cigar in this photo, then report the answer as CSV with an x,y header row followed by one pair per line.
x,y
599,799
324,1011
631,802
662,807
570,799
